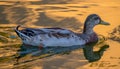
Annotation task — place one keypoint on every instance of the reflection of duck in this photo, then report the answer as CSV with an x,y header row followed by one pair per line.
x,y
32,51
92,55
60,37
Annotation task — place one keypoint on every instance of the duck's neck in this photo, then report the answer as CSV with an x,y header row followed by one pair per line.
x,y
88,29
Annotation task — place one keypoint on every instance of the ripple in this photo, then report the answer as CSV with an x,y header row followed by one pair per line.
x,y
66,22
79,6
3,19
115,34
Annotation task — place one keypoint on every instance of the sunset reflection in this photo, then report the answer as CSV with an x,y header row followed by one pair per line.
x,y
69,14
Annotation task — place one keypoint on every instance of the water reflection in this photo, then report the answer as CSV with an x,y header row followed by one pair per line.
x,y
66,22
3,15
18,13
33,53
56,1
92,55
24,13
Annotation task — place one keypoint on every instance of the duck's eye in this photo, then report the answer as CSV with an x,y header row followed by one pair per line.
x,y
96,18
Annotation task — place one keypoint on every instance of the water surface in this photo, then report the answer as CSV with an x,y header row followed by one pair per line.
x,y
66,14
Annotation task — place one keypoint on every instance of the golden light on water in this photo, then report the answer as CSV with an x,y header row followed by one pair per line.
x,y
65,14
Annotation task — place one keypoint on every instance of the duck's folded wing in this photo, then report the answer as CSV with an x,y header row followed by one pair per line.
x,y
56,32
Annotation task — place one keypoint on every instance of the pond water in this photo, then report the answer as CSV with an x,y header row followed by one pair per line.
x,y
69,14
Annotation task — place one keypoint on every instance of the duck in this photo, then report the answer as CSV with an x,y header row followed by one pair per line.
x,y
54,37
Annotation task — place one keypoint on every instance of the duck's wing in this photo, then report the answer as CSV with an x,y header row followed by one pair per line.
x,y
56,32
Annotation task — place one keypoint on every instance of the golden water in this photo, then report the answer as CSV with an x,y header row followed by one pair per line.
x,y
65,14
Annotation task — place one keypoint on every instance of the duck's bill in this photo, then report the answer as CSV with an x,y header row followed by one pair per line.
x,y
104,23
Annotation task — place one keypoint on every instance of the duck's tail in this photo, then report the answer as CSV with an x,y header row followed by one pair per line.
x,y
16,28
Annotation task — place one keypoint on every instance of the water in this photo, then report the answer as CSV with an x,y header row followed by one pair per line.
x,y
66,14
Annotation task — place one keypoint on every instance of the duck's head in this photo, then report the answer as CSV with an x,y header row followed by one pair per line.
x,y
91,21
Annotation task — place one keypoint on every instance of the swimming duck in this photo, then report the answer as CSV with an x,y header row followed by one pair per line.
x,y
46,37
